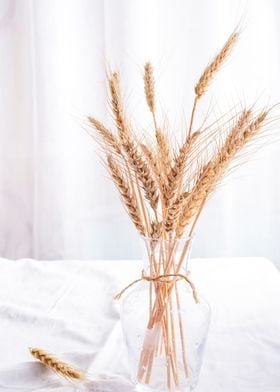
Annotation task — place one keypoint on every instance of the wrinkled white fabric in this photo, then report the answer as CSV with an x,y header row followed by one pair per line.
x,y
67,308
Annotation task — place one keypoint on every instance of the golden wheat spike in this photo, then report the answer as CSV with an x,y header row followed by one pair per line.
x,y
151,159
107,137
143,172
149,86
117,106
212,172
164,151
215,65
156,230
174,211
128,198
58,366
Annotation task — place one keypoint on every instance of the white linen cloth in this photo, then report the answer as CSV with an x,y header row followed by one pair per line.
x,y
67,308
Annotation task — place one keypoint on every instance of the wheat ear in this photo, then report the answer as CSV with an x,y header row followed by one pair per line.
x,y
174,211
143,172
164,151
117,106
151,159
212,172
176,172
128,198
106,135
58,366
156,230
215,65
149,86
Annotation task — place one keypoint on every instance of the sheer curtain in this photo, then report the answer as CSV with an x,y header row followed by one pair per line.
x,y
55,198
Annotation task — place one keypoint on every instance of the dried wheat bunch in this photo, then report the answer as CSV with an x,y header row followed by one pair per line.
x,y
164,184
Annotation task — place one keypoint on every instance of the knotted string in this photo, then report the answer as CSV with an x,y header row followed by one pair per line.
x,y
161,279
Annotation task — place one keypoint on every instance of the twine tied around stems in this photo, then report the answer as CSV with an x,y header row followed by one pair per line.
x,y
162,279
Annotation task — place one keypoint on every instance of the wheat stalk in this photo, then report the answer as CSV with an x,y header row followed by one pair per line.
x,y
213,171
175,175
156,230
164,151
127,196
117,106
106,135
58,366
143,172
215,65
149,86
151,159
209,73
174,211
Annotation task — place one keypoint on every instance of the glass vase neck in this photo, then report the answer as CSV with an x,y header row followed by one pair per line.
x,y
166,256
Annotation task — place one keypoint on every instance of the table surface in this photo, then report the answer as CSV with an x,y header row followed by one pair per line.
x,y
66,307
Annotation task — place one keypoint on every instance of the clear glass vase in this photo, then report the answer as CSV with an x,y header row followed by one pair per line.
x,y
165,322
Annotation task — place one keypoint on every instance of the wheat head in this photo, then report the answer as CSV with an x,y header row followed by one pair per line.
x,y
164,151
156,230
176,173
58,366
215,65
106,135
212,172
143,172
151,159
127,196
117,106
149,86
174,211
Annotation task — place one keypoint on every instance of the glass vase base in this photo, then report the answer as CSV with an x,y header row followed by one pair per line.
x,y
146,388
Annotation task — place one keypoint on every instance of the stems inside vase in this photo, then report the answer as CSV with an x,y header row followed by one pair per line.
x,y
165,314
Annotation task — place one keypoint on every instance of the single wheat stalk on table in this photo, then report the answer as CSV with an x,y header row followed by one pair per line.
x,y
56,365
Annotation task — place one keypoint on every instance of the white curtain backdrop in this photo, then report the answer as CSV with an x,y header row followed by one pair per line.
x,y
55,198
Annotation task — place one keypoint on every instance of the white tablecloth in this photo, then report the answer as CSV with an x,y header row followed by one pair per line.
x,y
66,307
